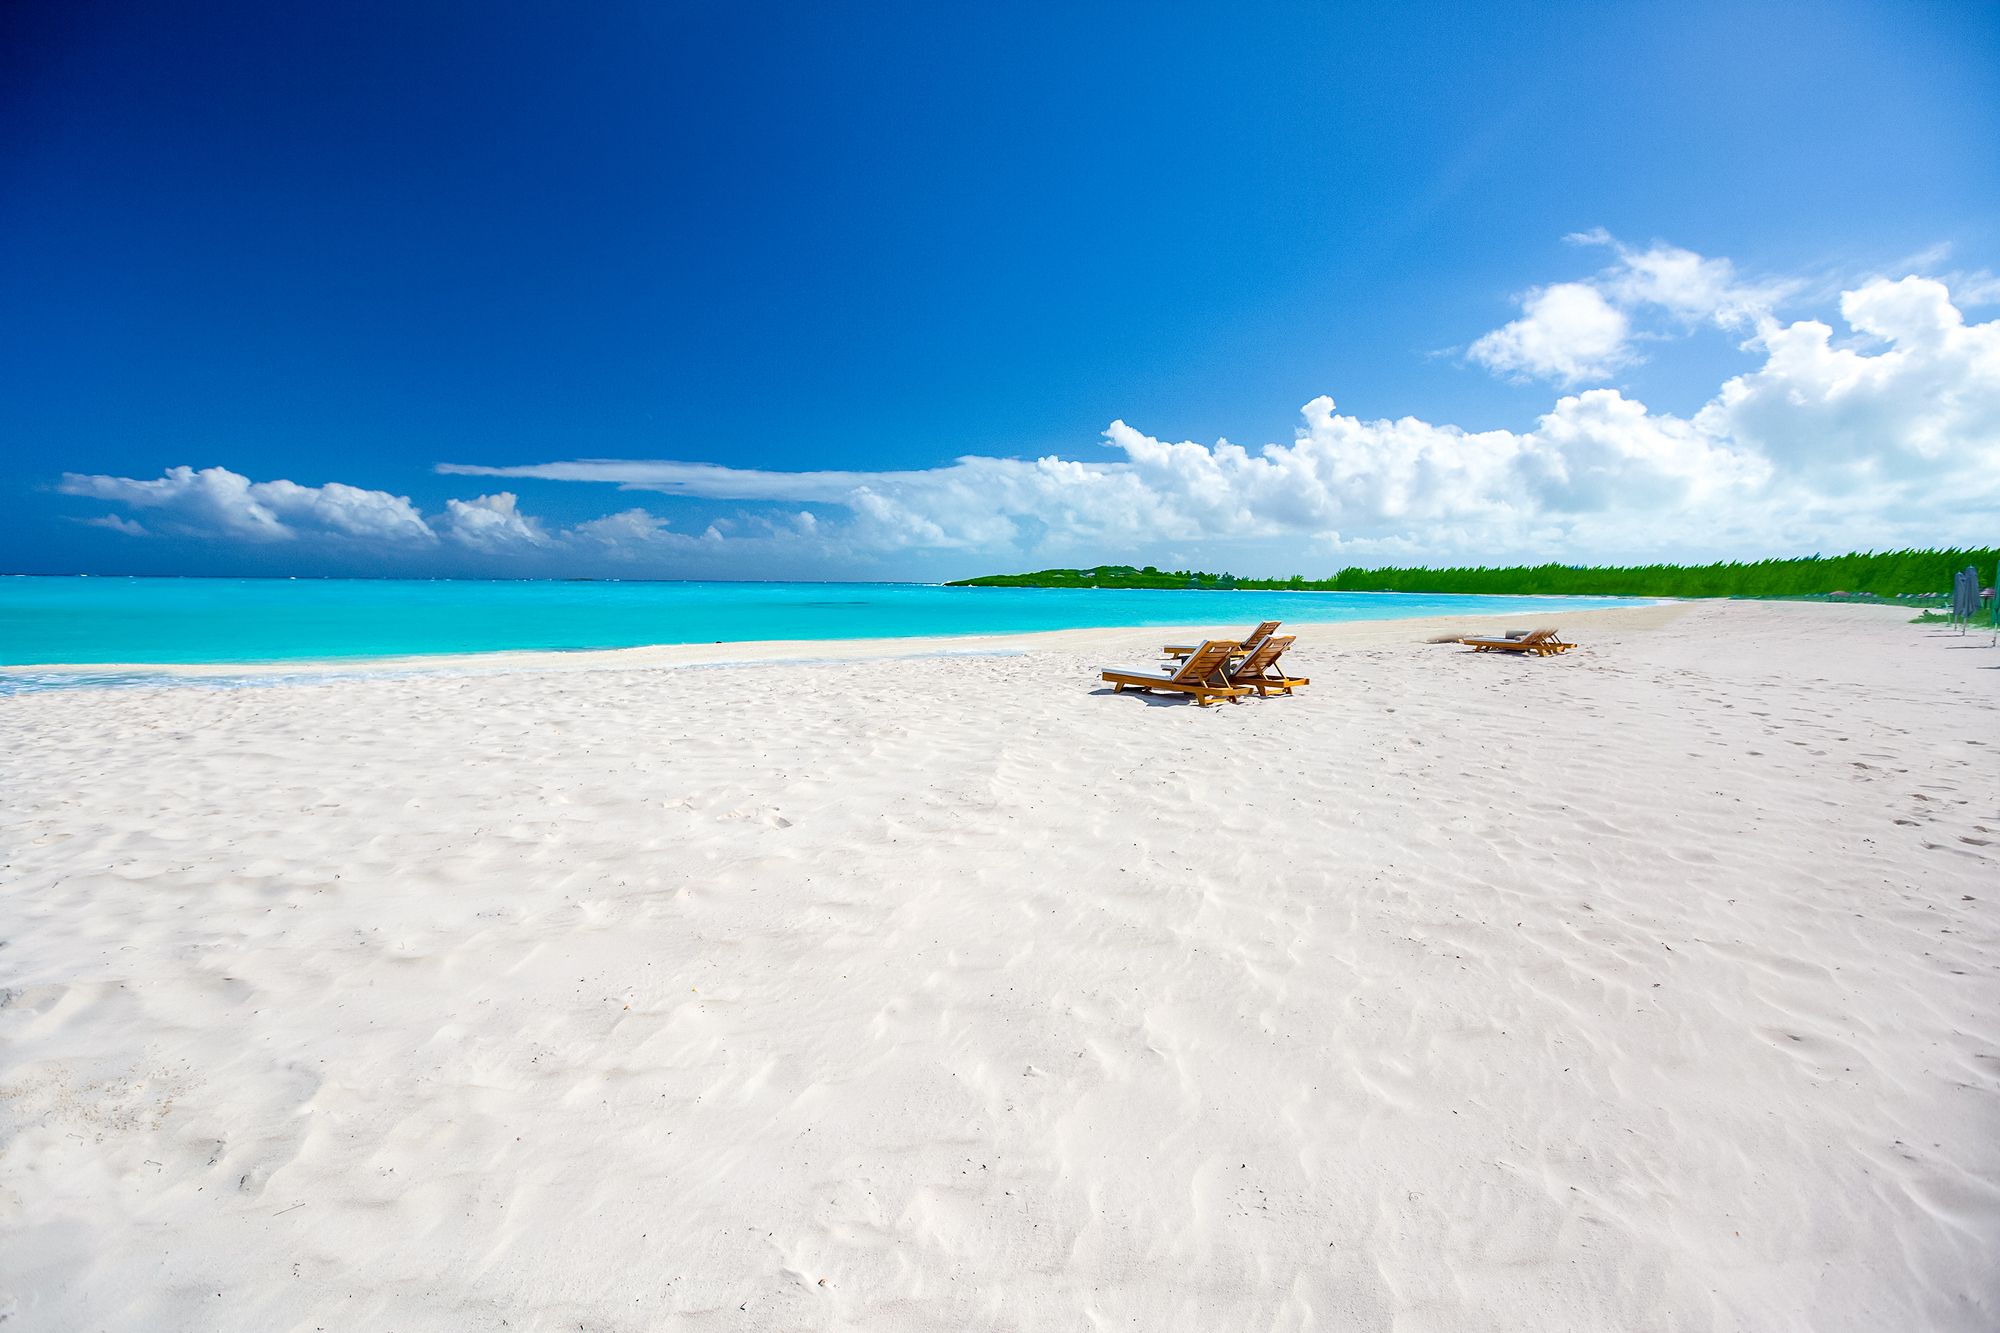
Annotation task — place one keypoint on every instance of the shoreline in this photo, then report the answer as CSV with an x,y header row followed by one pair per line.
x,y
747,652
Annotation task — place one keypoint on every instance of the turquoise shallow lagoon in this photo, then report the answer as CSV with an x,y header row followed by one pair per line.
x,y
161,621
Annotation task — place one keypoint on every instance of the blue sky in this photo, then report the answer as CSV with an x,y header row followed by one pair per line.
x,y
920,292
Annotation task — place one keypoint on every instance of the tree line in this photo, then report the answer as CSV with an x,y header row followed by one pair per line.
x,y
1874,573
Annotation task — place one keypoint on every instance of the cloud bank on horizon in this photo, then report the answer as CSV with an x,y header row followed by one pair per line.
x,y
1884,433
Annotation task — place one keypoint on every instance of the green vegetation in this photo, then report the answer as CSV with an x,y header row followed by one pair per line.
x,y
1867,574
1942,615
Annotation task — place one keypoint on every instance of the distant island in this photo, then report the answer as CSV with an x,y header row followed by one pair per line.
x,y
1900,574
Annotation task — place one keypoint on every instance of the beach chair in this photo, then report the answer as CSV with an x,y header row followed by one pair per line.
x,y
1260,670
1541,642
1248,645
1204,675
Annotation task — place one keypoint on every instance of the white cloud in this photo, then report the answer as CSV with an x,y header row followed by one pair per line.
x,y
1978,287
632,535
347,510
1774,462
116,523
1689,287
705,479
216,500
1340,479
627,529
1887,434
1578,332
213,498
1923,411
492,523
1568,333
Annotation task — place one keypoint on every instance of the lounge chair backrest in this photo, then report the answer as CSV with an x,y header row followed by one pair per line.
x,y
1207,661
1537,637
1257,636
1264,658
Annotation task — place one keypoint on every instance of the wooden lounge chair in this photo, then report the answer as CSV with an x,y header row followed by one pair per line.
x,y
1204,675
1260,670
1248,645
1541,642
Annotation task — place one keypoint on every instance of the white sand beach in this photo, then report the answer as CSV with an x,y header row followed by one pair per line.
x,y
1652,986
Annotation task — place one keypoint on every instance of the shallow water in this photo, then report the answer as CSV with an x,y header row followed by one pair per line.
x,y
140,621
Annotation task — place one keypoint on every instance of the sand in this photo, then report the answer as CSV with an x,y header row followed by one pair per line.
x,y
1655,986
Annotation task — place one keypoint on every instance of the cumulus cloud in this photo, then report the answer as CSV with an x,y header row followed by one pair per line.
x,y
1911,401
1578,332
627,530
1888,432
216,500
1568,333
492,523
1922,411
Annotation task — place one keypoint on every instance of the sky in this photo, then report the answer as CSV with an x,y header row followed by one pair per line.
x,y
648,290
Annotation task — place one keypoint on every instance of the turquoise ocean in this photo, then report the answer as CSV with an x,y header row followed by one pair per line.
x,y
142,621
